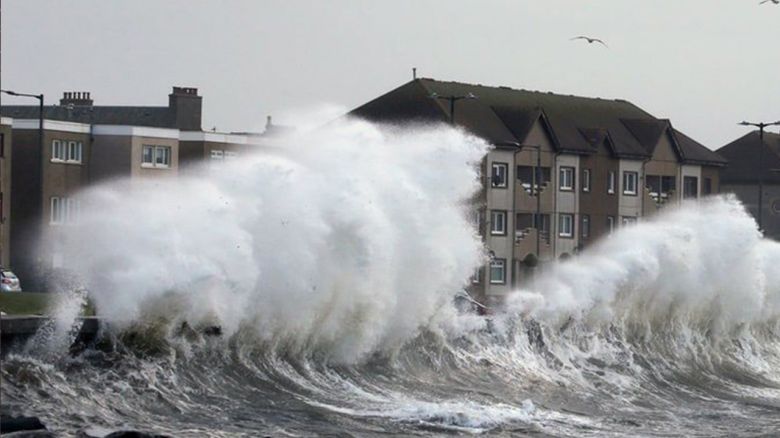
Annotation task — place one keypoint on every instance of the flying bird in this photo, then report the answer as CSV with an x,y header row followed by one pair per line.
x,y
596,40
777,2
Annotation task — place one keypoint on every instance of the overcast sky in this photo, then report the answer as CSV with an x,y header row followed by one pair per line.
x,y
705,64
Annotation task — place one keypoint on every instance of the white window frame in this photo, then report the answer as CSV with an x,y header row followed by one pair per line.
x,y
630,182
66,151
74,152
611,183
58,153
498,264
585,180
628,220
566,179
156,152
64,210
610,224
56,213
563,230
217,154
477,277
501,170
498,217
231,155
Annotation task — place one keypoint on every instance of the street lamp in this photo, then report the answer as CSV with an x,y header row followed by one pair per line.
x,y
452,99
760,126
40,114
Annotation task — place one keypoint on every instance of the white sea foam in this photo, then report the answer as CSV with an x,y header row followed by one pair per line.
x,y
703,264
346,239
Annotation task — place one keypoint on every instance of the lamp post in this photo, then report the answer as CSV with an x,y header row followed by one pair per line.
x,y
40,119
40,115
760,126
452,99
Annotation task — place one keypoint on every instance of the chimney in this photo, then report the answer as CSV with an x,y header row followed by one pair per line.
x,y
76,98
184,106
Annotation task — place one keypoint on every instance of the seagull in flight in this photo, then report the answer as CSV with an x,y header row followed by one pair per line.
x,y
596,40
777,2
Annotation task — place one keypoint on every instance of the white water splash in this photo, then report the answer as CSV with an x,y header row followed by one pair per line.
x,y
702,264
347,239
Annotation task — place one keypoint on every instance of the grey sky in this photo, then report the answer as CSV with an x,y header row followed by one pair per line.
x,y
706,64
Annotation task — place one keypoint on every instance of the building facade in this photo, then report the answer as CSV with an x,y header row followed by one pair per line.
x,y
752,161
85,144
563,171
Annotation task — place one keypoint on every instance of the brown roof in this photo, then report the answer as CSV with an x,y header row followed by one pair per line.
x,y
746,163
502,112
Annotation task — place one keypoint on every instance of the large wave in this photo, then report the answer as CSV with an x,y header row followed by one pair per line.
x,y
346,240
331,262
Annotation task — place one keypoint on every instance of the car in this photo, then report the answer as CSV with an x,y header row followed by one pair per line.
x,y
9,282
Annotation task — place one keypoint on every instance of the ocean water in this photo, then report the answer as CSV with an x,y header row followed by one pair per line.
x,y
332,262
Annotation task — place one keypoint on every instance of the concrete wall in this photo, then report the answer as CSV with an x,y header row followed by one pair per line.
x,y
137,170
567,202
500,199
629,205
111,157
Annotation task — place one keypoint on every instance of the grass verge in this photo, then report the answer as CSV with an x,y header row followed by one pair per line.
x,y
33,303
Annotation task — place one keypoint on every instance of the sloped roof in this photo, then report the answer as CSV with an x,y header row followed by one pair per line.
x,y
647,131
153,116
745,159
694,152
633,133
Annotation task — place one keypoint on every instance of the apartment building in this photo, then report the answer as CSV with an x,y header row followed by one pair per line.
x,y
6,137
85,144
563,171
44,182
752,161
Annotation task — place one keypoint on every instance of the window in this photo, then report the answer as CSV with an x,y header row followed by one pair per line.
x,y
74,152
478,220
566,225
57,151
611,183
2,145
585,226
629,220
229,155
690,187
65,151
217,154
585,180
660,187
533,177
498,178
630,182
498,271
156,156
706,190
498,222
477,277
610,223
566,178
64,210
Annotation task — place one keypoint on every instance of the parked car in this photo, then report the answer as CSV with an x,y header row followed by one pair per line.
x,y
9,282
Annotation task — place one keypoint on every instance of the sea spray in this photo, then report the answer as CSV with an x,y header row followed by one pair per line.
x,y
704,261
345,240
663,328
